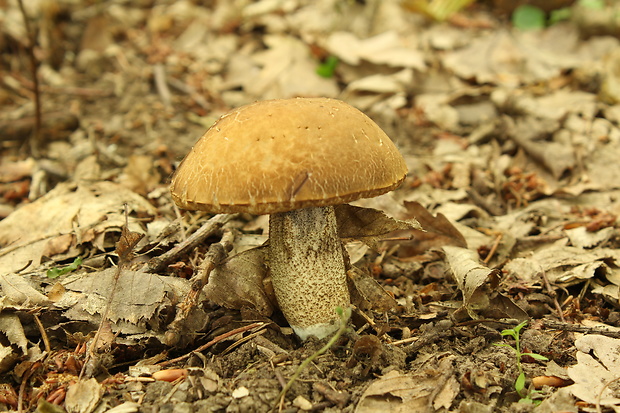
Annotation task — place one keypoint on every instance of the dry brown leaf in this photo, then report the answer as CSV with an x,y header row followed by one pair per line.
x,y
368,225
68,210
288,70
438,232
387,48
416,392
16,345
565,264
140,174
83,396
137,301
239,282
18,290
511,58
596,371
477,283
369,294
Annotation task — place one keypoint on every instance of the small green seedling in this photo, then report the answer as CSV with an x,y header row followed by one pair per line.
x,y
57,272
520,382
528,17
328,67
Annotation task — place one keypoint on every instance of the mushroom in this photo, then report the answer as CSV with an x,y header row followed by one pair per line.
x,y
293,159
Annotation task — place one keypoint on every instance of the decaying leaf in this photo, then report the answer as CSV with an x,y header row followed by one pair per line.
x,y
369,293
239,282
477,284
438,232
368,225
138,298
566,265
75,210
18,290
386,48
16,345
83,396
415,392
470,275
596,371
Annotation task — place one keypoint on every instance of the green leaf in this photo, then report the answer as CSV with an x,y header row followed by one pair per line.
x,y
559,15
527,17
520,326
512,333
536,356
328,67
57,272
592,4
520,383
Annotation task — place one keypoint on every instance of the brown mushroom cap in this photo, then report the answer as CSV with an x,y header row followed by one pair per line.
x,y
280,155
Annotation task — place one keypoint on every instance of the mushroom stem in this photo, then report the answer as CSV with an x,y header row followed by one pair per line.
x,y
308,270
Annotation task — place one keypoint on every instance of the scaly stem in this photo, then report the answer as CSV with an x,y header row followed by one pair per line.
x,y
307,269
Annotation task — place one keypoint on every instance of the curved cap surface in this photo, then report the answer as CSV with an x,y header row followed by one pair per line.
x,y
280,155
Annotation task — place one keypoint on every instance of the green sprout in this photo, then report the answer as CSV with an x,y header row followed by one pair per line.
x,y
520,381
328,67
57,272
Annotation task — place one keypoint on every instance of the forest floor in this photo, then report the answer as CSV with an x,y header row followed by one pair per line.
x,y
512,141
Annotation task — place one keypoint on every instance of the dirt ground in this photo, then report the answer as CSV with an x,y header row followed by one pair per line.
x,y
115,300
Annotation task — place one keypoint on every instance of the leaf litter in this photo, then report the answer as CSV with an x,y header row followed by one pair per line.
x,y
511,138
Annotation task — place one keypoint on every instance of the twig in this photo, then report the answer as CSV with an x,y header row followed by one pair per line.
x,y
552,293
193,93
22,387
124,249
556,325
34,145
218,251
494,247
600,394
159,73
159,263
216,340
344,314
241,341
46,341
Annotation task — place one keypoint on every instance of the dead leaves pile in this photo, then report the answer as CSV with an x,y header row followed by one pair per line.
x,y
511,137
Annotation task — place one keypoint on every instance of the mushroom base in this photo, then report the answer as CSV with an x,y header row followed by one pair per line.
x,y
308,269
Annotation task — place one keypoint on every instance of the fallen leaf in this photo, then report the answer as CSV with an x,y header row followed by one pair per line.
x,y
477,283
368,225
414,392
596,371
240,282
16,345
69,210
438,232
138,298
370,294
18,290
83,396
387,48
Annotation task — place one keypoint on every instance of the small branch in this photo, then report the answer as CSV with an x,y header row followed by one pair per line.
x,y
216,340
602,330
217,253
157,264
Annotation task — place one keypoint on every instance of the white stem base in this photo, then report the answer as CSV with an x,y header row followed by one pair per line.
x,y
307,269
